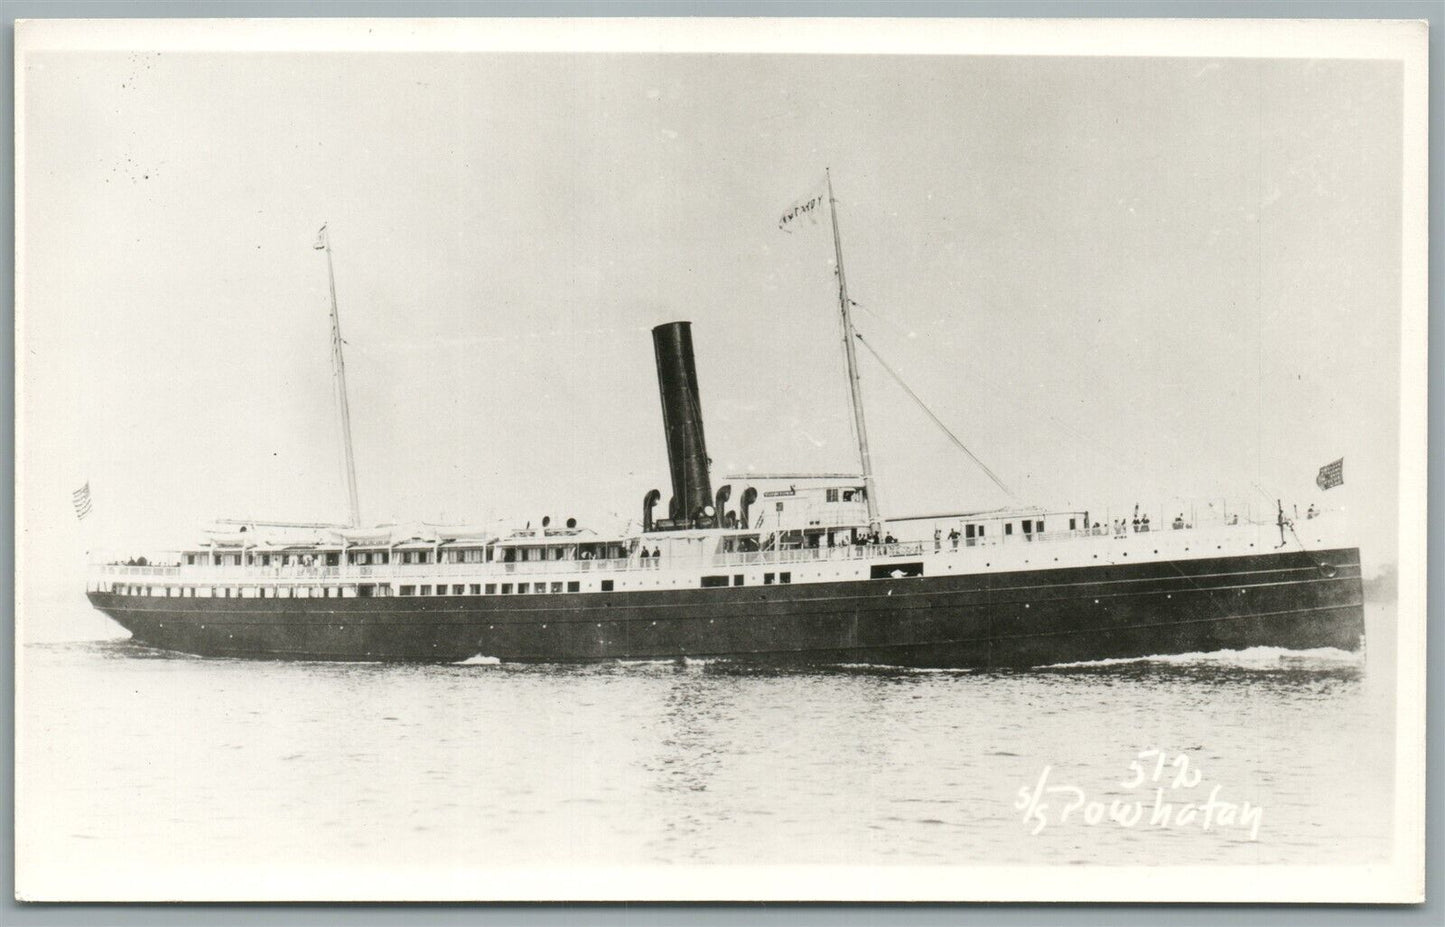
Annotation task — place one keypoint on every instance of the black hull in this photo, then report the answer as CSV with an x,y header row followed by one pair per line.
x,y
1295,600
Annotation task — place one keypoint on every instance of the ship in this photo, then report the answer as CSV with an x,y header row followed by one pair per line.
x,y
793,569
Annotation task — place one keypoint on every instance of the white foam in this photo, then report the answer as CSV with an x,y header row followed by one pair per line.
x,y
1250,657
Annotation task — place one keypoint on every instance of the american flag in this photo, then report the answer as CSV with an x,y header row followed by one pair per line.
x,y
81,500
1331,474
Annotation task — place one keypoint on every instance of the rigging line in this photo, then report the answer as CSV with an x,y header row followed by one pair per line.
x,y
983,384
914,396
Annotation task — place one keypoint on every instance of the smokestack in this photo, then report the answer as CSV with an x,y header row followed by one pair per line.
x,y
682,418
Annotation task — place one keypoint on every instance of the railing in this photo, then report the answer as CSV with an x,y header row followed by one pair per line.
x,y
209,574
117,569
814,554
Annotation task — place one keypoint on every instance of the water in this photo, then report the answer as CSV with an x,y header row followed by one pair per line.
x,y
137,763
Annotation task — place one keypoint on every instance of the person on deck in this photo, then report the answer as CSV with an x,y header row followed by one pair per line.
x,y
953,537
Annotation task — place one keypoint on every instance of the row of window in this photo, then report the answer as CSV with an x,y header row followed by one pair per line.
x,y
1030,526
712,582
491,588
379,557
252,592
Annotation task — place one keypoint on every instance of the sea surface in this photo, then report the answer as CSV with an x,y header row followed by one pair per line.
x,y
133,759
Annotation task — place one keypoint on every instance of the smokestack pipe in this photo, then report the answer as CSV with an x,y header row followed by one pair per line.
x,y
750,495
682,419
648,501
723,494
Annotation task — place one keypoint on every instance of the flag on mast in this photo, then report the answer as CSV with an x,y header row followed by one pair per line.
x,y
81,500
809,207
321,242
1331,475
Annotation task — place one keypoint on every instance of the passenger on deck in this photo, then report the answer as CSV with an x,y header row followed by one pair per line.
x,y
953,536
1178,521
656,557
1312,512
890,539
643,557
1135,524
937,539
1144,523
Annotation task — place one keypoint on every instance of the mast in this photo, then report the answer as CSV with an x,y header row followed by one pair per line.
x,y
338,363
845,307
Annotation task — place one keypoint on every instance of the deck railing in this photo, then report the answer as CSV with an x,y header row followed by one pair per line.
x,y
210,574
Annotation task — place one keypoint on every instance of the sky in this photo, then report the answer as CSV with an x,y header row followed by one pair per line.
x,y
1117,280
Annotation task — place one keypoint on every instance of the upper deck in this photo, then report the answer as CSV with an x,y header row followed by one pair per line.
x,y
540,561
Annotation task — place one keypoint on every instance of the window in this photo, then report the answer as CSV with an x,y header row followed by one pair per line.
x,y
607,585
191,559
556,587
458,589
1008,528
408,590
709,582
574,586
785,577
1039,527
476,589
1028,526
491,588
832,495
506,588
980,530
521,588
968,531
738,579
426,590
1071,524
768,578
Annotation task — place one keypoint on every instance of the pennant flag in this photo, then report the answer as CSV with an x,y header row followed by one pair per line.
x,y
81,500
808,208
1331,475
321,239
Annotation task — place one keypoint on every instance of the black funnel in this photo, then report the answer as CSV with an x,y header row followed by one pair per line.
x,y
682,418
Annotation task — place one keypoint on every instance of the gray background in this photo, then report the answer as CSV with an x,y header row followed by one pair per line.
x,y
735,914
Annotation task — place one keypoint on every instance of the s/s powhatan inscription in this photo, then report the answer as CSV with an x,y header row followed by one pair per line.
x,y
1174,803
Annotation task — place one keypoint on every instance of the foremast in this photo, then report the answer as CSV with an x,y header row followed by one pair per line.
x,y
860,425
338,366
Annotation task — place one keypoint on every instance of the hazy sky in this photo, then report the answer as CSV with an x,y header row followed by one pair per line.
x,y
1116,279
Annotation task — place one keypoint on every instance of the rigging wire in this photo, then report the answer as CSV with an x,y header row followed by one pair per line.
x,y
936,420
